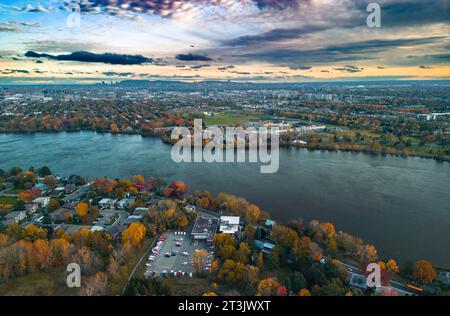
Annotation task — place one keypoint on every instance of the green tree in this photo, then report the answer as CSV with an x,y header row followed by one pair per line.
x,y
44,171
298,282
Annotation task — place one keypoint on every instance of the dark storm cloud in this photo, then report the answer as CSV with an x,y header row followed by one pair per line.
x,y
167,8
364,50
106,58
118,74
192,57
223,68
14,71
200,66
274,35
417,12
300,67
440,56
349,68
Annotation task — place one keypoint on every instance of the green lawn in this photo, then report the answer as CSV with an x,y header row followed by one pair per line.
x,y
7,200
231,119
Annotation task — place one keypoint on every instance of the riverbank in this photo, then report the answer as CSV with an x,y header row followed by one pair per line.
x,y
162,134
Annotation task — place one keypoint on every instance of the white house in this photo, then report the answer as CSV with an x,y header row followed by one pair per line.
x,y
107,203
15,216
42,201
190,208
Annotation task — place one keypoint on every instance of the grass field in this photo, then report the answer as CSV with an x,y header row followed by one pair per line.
x,y
189,286
44,284
7,200
231,119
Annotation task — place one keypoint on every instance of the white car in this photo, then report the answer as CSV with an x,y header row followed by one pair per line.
x,y
148,264
190,274
185,263
185,253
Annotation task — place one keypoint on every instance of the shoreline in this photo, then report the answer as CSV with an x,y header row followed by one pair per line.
x,y
166,141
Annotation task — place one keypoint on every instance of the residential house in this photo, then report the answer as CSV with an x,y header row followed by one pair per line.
x,y
31,208
107,203
15,217
42,201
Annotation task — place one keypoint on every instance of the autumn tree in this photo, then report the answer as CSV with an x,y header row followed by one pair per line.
x,y
243,253
14,231
225,246
33,232
199,260
138,178
96,285
51,182
105,185
392,266
53,205
260,260
82,209
134,234
304,292
424,272
269,287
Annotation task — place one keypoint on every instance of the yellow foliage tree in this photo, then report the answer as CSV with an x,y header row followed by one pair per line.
x,y
424,272
134,234
304,292
33,232
392,266
199,259
82,209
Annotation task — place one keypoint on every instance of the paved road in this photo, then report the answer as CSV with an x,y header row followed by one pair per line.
x,y
401,288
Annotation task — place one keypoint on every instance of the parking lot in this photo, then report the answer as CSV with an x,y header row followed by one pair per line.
x,y
164,265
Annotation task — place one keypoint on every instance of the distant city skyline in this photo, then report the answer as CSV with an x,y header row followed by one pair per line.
x,y
247,40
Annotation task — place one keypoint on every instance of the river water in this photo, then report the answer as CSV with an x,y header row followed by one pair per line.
x,y
402,206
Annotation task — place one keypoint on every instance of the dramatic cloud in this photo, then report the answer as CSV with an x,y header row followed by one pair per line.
x,y
87,57
192,57
15,26
274,35
117,74
223,68
200,66
349,68
300,67
171,8
364,50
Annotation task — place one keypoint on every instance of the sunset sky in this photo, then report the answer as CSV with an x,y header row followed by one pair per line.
x,y
248,40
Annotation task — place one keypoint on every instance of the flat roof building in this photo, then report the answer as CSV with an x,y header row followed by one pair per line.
x,y
205,227
229,225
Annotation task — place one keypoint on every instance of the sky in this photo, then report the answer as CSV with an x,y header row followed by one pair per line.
x,y
239,40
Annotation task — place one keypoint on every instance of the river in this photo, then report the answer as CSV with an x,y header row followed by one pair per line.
x,y
402,206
